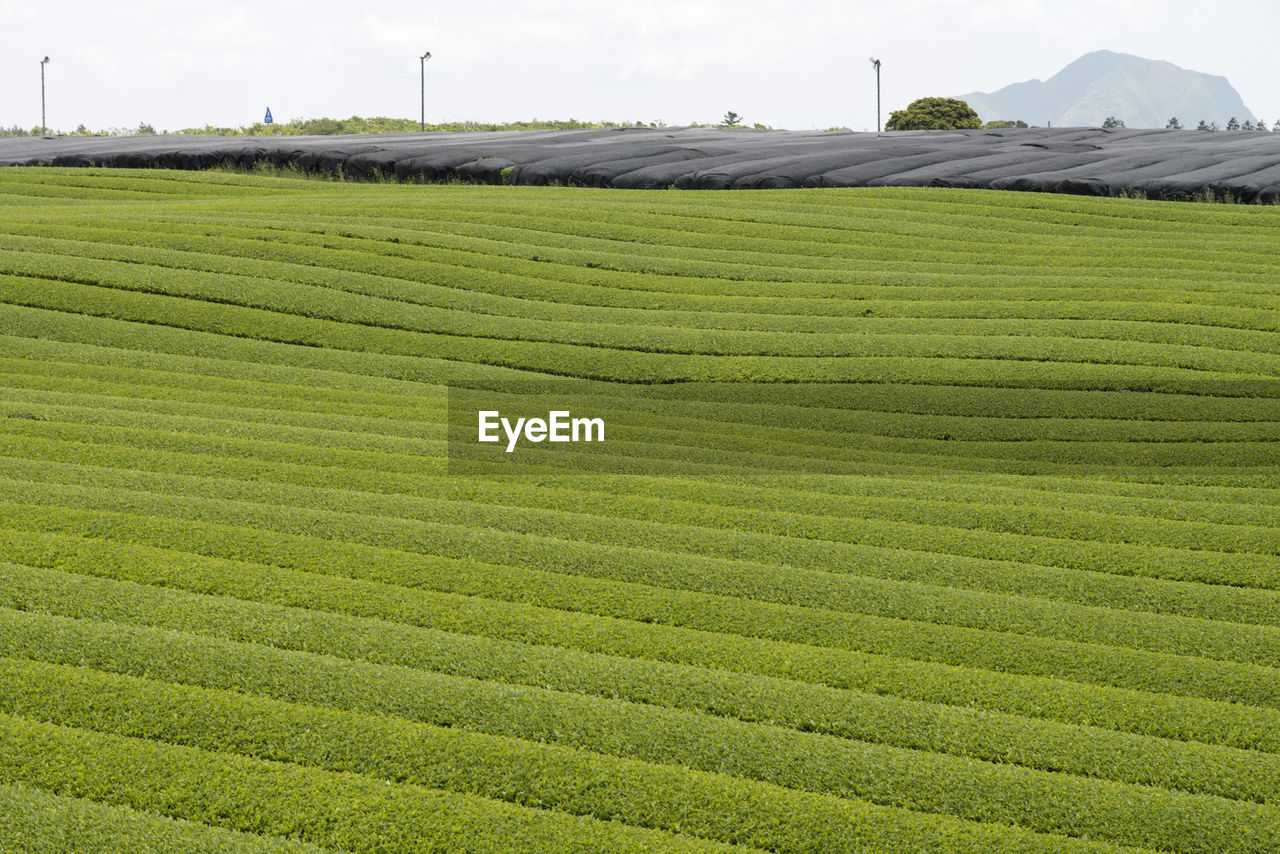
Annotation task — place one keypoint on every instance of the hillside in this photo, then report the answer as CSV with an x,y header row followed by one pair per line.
x,y
950,524
1144,93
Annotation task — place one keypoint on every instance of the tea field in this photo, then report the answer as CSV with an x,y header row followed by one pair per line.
x,y
1002,575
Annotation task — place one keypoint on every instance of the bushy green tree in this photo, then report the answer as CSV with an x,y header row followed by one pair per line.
x,y
934,114
1174,124
731,119
1113,122
1233,124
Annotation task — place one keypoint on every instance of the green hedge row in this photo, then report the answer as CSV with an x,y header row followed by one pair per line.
x,y
848,583
927,782
1088,751
619,619
349,244
391,319
343,811
1077,637
471,539
39,822
697,804
1181,310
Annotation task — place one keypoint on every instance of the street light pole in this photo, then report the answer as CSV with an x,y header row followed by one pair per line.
x,y
43,130
422,69
876,63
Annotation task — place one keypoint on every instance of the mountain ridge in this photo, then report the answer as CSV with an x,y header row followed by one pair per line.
x,y
1141,92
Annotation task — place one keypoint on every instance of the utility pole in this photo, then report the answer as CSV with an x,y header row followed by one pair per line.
x,y
422,69
43,130
875,62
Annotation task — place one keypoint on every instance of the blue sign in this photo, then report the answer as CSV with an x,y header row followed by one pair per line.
x,y
268,120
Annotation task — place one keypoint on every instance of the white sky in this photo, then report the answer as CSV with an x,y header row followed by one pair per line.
x,y
790,64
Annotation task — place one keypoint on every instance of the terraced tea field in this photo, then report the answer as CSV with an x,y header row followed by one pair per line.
x,y
984,556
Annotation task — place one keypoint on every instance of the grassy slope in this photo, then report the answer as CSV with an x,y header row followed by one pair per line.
x,y
243,602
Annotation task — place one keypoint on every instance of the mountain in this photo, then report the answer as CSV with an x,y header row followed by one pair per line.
x,y
1144,93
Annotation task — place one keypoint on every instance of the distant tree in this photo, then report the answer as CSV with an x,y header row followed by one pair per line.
x,y
1233,124
1174,124
145,129
1112,122
1202,125
1276,127
996,124
1261,125
934,114
1248,125
731,120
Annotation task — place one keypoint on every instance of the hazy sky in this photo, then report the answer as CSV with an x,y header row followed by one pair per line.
x,y
794,64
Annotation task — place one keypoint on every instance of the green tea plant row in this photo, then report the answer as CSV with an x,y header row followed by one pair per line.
x,y
742,810
895,397
1054,802
73,328
238,360
746,452
914,291
193,184
714,508
1116,558
103,341
399,437
702,804
308,224
798,539
886,206
1085,751
380,317
819,403
885,317
1185,501
681,427
1238,605
764,258
902,636
752,575
35,820
868,241
828,560
618,619
334,810
393,409
890,210
379,245
880,417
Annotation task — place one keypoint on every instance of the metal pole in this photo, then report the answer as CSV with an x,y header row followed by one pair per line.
x,y
43,129
422,69
876,63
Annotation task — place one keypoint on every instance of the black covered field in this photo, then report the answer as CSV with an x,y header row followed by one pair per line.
x,y
1090,161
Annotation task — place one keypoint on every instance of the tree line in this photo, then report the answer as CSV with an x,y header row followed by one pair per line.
x,y
955,114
